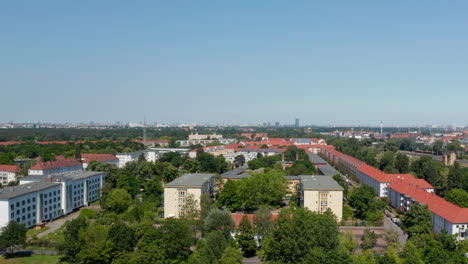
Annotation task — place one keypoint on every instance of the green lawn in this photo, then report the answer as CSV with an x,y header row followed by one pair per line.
x,y
31,232
34,259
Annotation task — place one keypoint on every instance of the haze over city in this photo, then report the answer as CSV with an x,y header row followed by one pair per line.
x,y
356,63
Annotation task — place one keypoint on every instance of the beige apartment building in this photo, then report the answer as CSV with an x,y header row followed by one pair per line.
x,y
319,193
176,192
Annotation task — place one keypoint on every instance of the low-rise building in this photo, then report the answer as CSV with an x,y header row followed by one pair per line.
x,y
124,158
235,174
177,191
55,167
103,158
445,215
30,203
80,188
320,193
8,173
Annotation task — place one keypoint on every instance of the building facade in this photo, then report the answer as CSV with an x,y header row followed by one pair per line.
x,y
40,199
55,167
8,173
177,191
320,193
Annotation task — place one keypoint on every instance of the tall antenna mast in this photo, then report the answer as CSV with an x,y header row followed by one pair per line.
x,y
381,129
144,129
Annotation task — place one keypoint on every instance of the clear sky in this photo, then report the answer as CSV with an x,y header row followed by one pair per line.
x,y
325,62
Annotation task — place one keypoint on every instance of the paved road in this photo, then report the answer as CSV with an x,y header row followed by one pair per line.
x,y
56,224
389,225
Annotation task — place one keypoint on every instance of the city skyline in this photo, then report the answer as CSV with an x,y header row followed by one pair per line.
x,y
359,63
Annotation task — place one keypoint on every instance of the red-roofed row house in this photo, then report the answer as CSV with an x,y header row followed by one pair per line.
x,y
8,173
59,166
103,158
403,190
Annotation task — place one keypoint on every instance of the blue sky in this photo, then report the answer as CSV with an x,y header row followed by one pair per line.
x,y
325,62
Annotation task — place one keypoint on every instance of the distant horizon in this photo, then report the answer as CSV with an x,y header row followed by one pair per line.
x,y
259,124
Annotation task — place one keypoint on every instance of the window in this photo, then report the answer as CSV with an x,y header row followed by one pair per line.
x,y
29,200
12,207
17,204
12,215
17,211
23,210
33,199
23,202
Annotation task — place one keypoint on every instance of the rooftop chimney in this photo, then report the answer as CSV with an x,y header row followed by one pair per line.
x,y
49,178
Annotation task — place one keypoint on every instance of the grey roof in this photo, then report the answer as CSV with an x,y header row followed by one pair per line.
x,y
261,150
74,175
291,178
328,170
139,152
318,182
15,191
190,180
314,158
302,140
235,173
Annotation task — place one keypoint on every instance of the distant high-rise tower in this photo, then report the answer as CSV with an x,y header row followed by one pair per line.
x,y
297,122
144,129
276,124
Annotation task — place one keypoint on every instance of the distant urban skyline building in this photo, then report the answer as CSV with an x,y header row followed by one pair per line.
x,y
296,124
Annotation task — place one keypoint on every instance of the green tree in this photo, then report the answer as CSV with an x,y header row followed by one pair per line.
x,y
219,220
363,199
369,239
71,245
216,243
171,240
265,189
291,238
262,222
412,254
231,256
339,179
96,247
190,210
229,196
348,241
417,220
14,234
458,197
118,200
301,167
153,190
245,236
239,161
402,163
122,236
455,177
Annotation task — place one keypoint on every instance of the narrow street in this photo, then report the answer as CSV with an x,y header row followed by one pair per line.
x,y
389,225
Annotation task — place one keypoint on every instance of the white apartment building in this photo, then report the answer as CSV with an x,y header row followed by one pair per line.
x,y
86,158
150,155
8,173
55,167
230,156
320,193
40,199
197,136
30,203
176,192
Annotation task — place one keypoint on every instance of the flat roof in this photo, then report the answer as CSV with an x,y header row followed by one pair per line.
x,y
190,180
235,173
314,158
319,182
74,175
328,170
19,190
